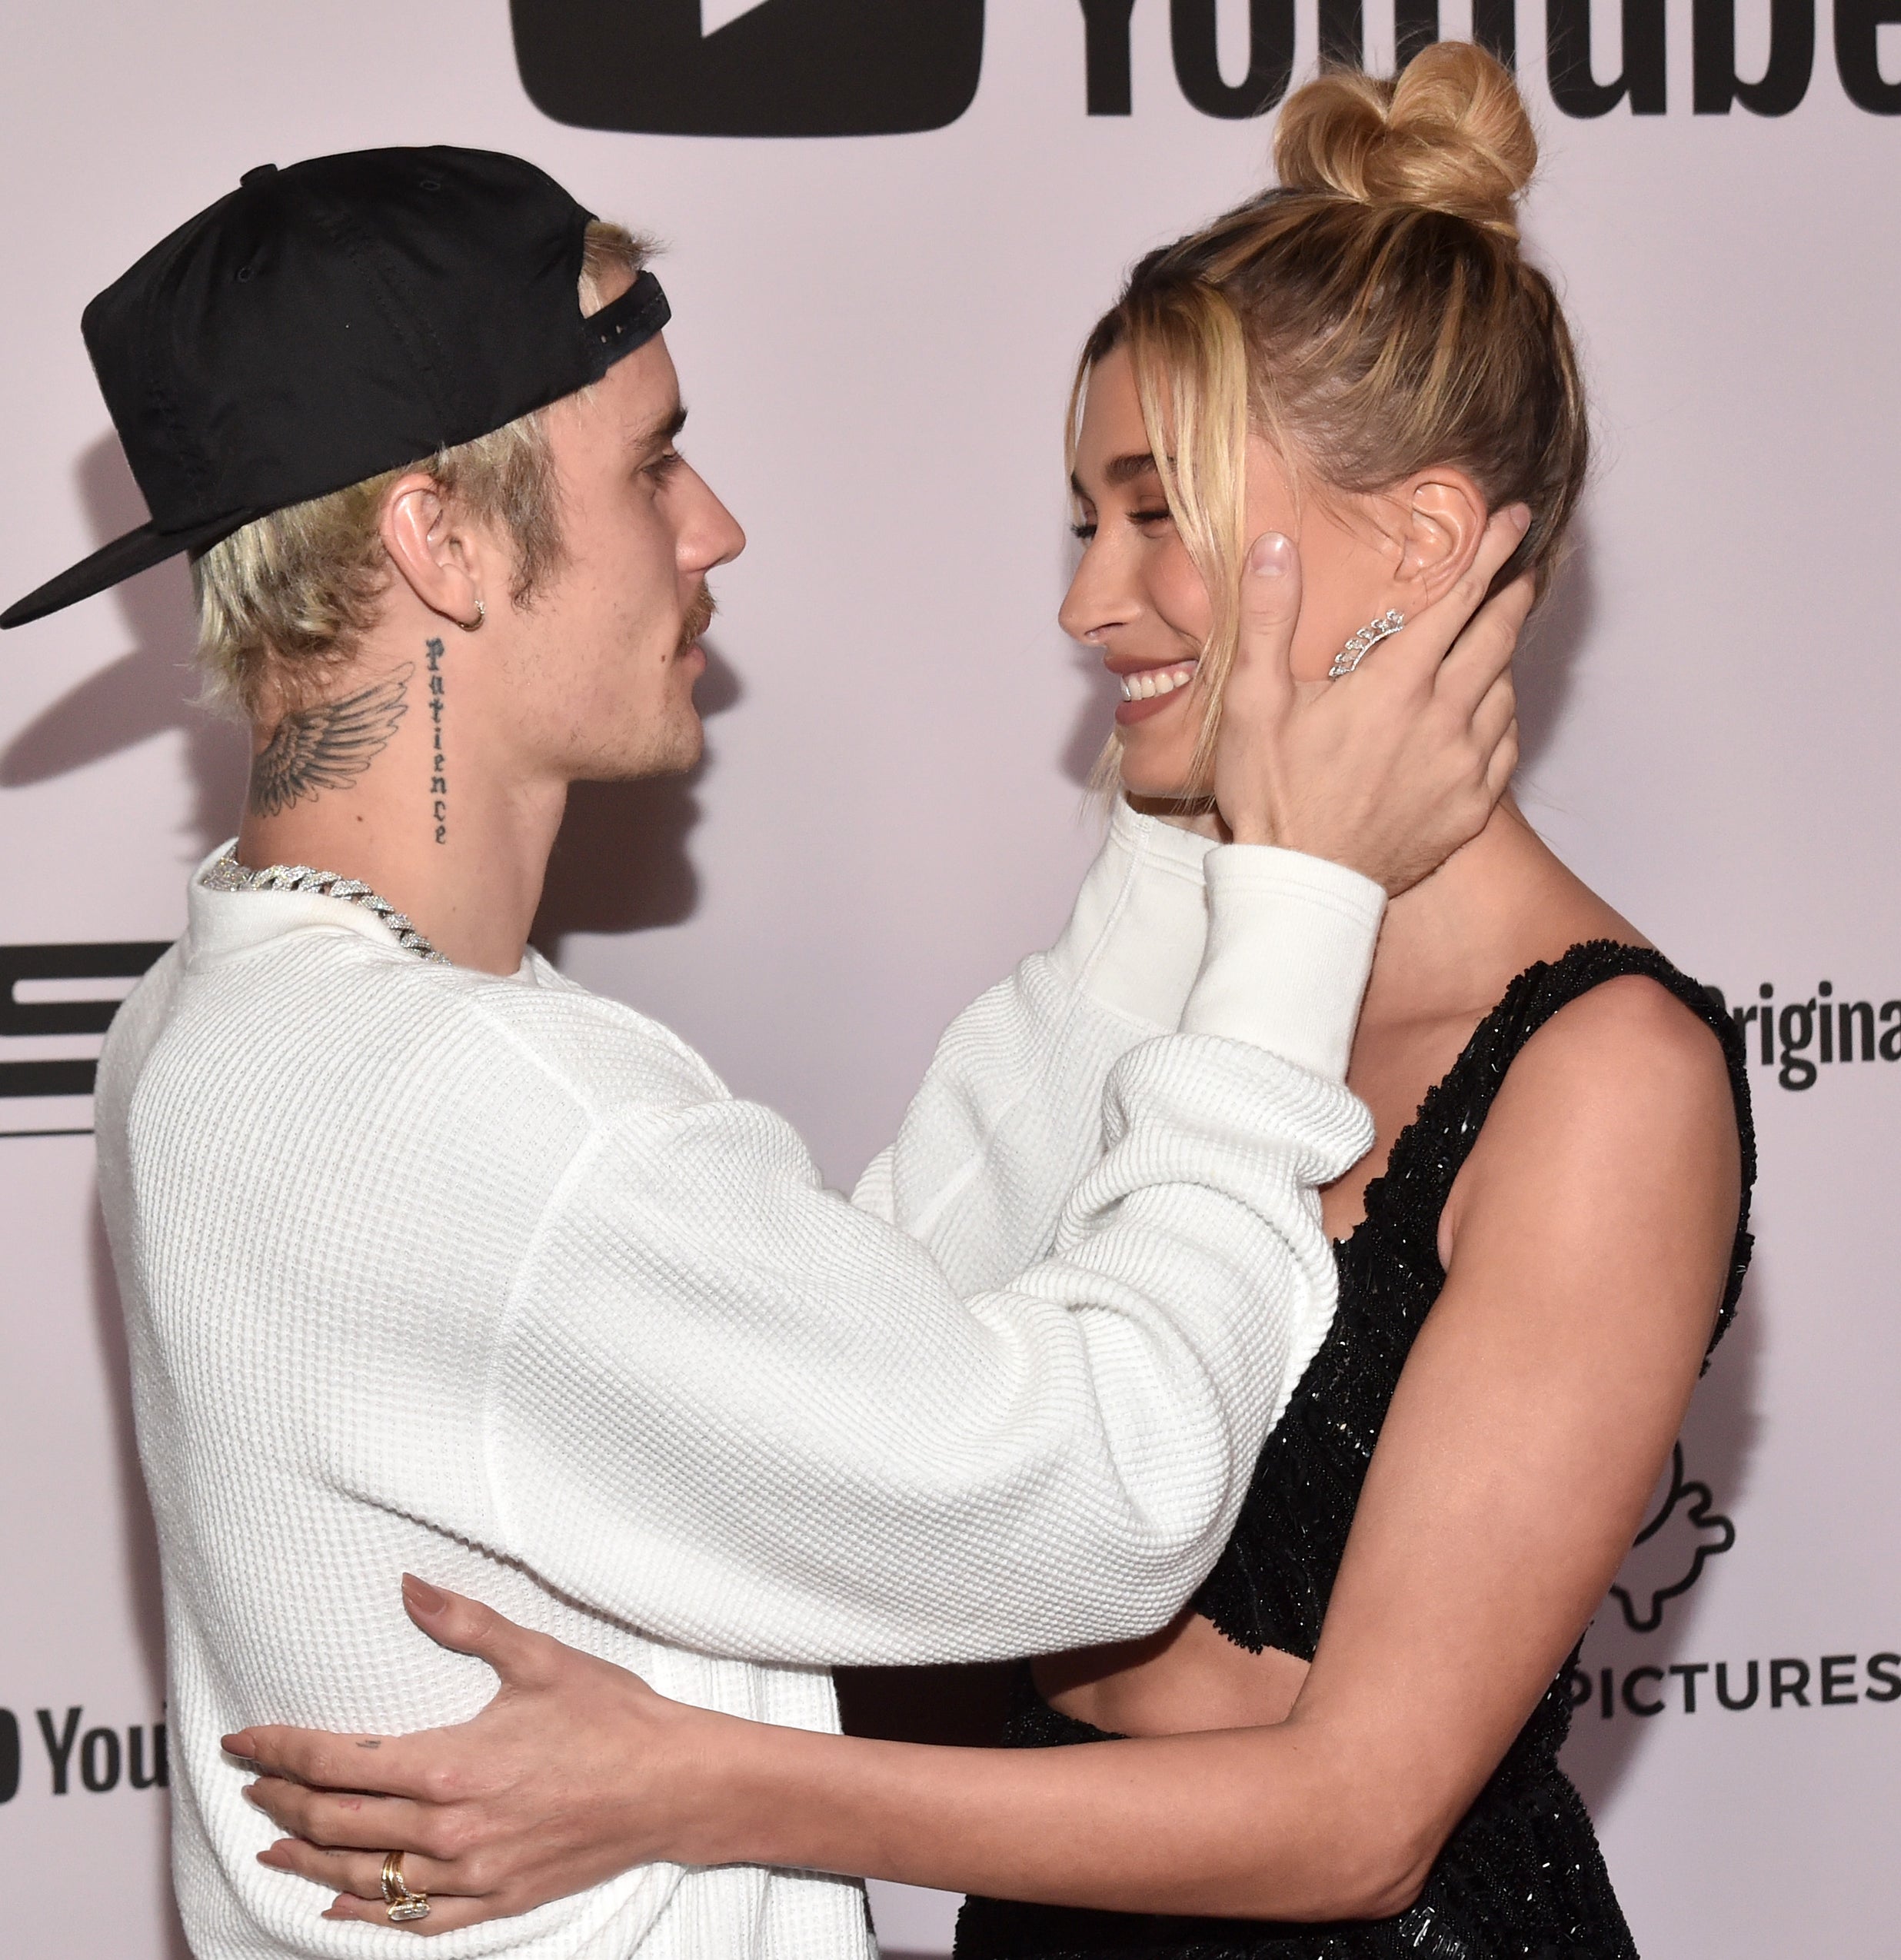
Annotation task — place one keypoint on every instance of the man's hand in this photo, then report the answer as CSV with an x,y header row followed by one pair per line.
x,y
576,1772
1390,769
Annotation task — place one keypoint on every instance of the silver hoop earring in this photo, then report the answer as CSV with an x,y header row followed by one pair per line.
x,y
475,625
1363,643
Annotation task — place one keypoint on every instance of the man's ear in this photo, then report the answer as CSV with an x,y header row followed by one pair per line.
x,y
435,556
1442,522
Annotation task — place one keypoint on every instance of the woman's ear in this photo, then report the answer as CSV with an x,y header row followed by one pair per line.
x,y
432,554
1444,518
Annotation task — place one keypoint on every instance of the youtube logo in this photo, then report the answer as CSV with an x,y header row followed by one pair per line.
x,y
751,68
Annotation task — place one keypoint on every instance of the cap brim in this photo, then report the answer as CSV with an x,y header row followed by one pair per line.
x,y
137,551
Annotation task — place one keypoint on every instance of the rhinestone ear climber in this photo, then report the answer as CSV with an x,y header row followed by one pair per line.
x,y
1363,643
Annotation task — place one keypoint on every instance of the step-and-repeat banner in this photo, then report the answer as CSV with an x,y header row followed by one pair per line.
x,y
890,223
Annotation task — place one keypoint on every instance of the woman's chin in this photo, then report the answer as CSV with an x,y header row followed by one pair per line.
x,y
1156,778
1158,799
1158,750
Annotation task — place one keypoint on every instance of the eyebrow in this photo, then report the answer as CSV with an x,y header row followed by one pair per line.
x,y
665,430
1123,469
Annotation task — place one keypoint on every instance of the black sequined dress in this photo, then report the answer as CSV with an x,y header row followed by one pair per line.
x,y
1521,1877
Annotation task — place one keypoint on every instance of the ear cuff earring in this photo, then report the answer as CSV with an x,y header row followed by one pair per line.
x,y
1363,643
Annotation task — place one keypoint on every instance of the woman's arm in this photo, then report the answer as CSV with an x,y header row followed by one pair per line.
x,y
1587,1246
1586,1243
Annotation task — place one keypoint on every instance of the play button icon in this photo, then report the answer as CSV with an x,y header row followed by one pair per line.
x,y
751,68
717,14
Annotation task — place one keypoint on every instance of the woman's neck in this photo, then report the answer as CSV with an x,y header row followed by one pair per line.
x,y
1451,945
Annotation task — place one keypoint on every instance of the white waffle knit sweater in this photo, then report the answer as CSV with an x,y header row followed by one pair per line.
x,y
492,1280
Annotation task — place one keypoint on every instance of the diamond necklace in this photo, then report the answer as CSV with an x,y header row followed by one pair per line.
x,y
226,874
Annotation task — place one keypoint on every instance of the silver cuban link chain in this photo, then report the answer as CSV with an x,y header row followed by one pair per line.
x,y
226,874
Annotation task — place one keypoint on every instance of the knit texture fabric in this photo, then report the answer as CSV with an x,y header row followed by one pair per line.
x,y
492,1280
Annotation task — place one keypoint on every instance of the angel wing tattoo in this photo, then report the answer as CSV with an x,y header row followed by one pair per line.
x,y
327,746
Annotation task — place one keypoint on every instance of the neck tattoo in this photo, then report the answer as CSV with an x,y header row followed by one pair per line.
x,y
327,746
438,780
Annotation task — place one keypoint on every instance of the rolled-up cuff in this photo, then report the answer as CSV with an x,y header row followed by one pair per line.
x,y
1289,944
1134,942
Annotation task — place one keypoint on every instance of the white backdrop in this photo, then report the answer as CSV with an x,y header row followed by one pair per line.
x,y
875,334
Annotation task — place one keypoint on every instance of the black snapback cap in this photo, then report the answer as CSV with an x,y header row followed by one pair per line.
x,y
332,320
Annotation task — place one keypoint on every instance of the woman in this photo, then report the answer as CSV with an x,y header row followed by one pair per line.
x,y
1346,1744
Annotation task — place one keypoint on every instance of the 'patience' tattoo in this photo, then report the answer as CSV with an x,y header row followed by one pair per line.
x,y
328,746
438,781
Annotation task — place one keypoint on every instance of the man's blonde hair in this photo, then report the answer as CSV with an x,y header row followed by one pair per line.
x,y
284,602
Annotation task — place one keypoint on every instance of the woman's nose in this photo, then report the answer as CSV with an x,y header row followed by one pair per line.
x,y
1093,606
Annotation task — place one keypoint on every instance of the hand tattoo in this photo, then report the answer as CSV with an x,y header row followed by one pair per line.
x,y
439,782
328,746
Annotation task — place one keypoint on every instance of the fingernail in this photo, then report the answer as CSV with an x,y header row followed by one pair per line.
x,y
250,1795
237,1745
1271,556
422,1596
1521,516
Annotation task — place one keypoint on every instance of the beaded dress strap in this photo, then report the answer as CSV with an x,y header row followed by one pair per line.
x,y
1406,1198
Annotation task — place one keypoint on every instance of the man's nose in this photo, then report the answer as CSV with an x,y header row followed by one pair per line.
x,y
713,536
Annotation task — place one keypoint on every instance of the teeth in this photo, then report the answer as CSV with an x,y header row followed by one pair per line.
x,y
1157,680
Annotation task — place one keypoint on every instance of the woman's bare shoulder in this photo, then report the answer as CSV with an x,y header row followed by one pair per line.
x,y
1628,1052
1629,1038
1619,1108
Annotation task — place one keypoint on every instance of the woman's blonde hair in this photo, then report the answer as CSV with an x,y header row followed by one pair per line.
x,y
1372,316
283,602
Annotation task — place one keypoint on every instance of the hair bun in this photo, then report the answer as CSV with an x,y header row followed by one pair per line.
x,y
1450,134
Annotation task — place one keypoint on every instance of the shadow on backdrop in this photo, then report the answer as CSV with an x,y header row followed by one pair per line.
x,y
145,692
1095,719
1554,641
620,863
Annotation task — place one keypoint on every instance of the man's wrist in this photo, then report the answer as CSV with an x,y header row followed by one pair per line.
x,y
1290,944
1135,939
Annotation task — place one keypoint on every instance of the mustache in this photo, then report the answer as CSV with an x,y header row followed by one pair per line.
x,y
699,615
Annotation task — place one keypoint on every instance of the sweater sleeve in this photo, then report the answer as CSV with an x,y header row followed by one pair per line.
x,y
757,1421
1009,1115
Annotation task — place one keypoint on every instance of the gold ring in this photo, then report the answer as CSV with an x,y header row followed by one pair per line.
x,y
404,1905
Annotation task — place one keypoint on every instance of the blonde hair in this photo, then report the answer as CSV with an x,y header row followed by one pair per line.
x,y
1373,316
284,602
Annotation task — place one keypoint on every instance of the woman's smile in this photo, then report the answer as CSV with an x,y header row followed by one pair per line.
x,y
1146,690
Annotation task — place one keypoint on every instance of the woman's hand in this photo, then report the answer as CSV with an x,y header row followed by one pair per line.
x,y
1391,770
576,1772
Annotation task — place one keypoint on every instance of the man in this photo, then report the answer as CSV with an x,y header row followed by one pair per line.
x,y
432,1261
